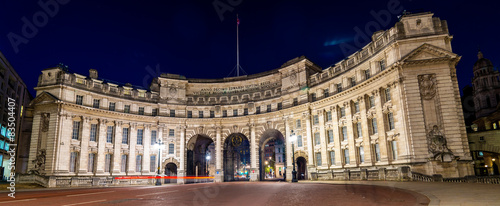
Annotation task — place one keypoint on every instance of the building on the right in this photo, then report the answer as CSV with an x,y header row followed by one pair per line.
x,y
484,135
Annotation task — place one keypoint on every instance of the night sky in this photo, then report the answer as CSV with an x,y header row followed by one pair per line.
x,y
132,42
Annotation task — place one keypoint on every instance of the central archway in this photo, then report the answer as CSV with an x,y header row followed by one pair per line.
x,y
236,157
272,155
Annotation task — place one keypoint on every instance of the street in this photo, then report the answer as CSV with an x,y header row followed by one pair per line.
x,y
232,193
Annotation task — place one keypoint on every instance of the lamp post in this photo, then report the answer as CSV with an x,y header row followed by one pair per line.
x,y
159,144
294,173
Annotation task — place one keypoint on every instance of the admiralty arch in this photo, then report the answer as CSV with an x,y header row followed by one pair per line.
x,y
389,111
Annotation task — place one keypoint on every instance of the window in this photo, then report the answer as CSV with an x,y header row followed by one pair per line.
x,y
125,136
318,159
388,94
382,65
72,161
107,163
200,114
212,114
342,112
329,116
245,111
141,111
361,153
298,124
332,157
112,106
394,148
315,119
153,137
372,101
268,108
295,101
326,93
224,113
374,126
139,136
313,97
91,162
76,130
377,152
257,110
330,136
356,107
154,112
109,135
367,74
79,99
299,140
171,132
235,112
359,130
152,163
124,164
172,113
138,163
317,138
280,106
390,120
346,156
171,148
190,114
339,87
126,109
353,81
96,104
344,133
93,132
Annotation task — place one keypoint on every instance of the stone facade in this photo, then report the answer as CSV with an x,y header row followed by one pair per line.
x,y
393,105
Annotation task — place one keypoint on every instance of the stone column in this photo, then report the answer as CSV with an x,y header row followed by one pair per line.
x,y
84,145
117,149
132,153
219,173
310,146
336,137
254,154
159,135
367,146
182,145
382,139
146,145
350,135
323,138
101,145
289,152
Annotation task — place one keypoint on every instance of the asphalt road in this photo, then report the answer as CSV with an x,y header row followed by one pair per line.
x,y
232,193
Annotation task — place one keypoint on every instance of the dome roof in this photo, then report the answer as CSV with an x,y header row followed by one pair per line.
x,y
482,62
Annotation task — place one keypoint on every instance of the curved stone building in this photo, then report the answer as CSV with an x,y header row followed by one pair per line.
x,y
389,110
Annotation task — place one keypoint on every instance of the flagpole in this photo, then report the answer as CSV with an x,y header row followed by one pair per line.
x,y
237,47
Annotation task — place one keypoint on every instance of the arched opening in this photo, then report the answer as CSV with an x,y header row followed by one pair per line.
x,y
236,158
272,156
199,147
301,168
170,171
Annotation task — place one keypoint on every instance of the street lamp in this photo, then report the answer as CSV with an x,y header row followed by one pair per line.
x,y
159,145
293,137
208,158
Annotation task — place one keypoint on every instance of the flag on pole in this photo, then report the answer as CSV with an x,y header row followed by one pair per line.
x,y
238,21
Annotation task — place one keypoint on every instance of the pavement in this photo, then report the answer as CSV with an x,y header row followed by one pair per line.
x,y
439,193
309,193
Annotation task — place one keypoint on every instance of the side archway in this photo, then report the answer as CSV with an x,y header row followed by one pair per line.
x,y
272,155
236,162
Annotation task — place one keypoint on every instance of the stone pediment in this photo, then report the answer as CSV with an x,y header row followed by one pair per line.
x,y
44,98
428,52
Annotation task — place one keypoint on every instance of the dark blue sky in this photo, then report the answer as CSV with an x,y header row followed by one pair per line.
x,y
121,39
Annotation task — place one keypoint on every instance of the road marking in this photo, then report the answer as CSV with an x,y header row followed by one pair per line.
x,y
88,194
17,201
157,193
82,203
